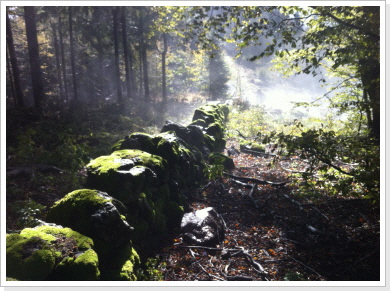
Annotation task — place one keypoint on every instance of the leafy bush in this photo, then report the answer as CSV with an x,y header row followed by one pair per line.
x,y
28,211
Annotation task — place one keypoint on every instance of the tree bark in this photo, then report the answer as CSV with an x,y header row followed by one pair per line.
x,y
126,54
163,66
33,52
58,63
72,56
370,76
66,96
11,80
144,59
115,11
14,64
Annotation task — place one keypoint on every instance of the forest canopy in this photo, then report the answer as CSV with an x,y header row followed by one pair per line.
x,y
101,54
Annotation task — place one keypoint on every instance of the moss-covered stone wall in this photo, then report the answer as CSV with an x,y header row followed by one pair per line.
x,y
134,196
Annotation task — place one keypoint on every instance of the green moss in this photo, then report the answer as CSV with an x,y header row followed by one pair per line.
x,y
221,159
211,113
137,140
130,267
30,259
35,255
215,130
104,164
127,272
78,204
50,233
122,266
200,122
83,268
13,238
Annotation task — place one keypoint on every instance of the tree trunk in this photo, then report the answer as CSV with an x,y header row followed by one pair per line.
x,y
100,87
14,64
11,80
33,52
115,11
163,66
144,59
58,63
126,54
370,76
66,97
72,56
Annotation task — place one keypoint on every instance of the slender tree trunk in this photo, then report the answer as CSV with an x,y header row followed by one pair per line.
x,y
370,76
163,66
146,73
126,53
33,52
66,97
141,73
14,64
115,11
100,76
58,63
144,59
11,80
72,56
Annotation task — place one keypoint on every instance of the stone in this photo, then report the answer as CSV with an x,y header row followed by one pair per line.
x,y
30,259
192,135
137,140
51,253
125,174
203,227
93,213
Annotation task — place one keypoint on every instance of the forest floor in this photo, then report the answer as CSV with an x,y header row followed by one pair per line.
x,y
293,237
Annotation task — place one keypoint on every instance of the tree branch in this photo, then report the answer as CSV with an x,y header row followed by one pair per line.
x,y
350,25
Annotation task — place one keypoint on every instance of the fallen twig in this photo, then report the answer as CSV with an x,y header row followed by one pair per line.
x,y
256,153
257,181
248,186
210,275
236,252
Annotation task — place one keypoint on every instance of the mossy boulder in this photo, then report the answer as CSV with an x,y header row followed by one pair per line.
x,y
138,140
125,174
192,135
51,253
219,158
183,159
211,113
93,213
211,118
30,259
215,130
